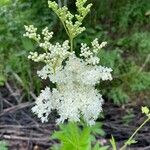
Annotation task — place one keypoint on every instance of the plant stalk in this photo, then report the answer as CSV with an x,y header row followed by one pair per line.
x,y
71,44
126,143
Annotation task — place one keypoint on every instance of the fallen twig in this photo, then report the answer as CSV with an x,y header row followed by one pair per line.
x,y
16,107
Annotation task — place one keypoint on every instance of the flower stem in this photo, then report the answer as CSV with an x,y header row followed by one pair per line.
x,y
71,42
129,140
65,28
69,34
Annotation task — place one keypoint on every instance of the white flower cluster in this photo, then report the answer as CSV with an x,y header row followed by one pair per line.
x,y
75,95
47,36
31,33
54,54
90,55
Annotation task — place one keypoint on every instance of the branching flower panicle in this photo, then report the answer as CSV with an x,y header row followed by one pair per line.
x,y
53,54
75,95
71,22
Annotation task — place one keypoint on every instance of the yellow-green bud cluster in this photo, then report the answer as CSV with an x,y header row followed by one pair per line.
x,y
83,11
73,28
146,111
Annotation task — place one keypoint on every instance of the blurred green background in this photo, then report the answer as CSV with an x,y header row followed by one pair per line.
x,y
124,24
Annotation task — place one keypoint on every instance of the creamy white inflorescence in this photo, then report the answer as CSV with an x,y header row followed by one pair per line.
x,y
75,95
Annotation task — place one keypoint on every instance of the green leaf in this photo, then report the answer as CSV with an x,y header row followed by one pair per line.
x,y
56,147
73,137
27,44
104,148
2,80
133,141
98,147
113,143
85,140
4,2
97,129
3,145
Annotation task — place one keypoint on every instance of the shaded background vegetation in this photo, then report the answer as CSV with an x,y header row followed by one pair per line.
x,y
125,24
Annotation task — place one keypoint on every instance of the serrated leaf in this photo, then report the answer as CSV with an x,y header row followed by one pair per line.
x,y
73,137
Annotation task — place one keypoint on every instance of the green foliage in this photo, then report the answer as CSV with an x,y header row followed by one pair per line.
x,y
2,75
3,145
124,14
131,73
134,71
74,137
14,48
139,41
131,140
111,58
98,147
113,143
118,96
142,82
125,28
128,117
133,11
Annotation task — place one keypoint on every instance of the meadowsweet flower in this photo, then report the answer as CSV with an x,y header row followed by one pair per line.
x,y
80,101
75,95
43,105
45,72
54,54
31,33
90,54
